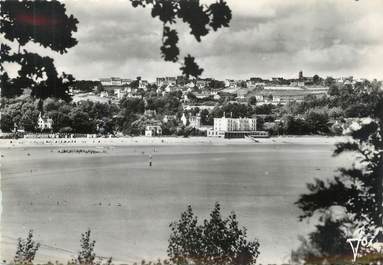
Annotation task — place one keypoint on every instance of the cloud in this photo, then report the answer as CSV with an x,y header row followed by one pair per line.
x,y
317,36
266,37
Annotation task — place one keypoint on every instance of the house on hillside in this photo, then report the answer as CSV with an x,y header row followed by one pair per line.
x,y
216,97
241,94
120,93
168,118
192,121
201,84
170,88
164,81
143,84
150,113
195,121
202,95
230,83
104,94
44,123
153,130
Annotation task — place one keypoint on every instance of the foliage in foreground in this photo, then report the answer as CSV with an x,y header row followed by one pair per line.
x,y
351,204
217,241
26,249
46,24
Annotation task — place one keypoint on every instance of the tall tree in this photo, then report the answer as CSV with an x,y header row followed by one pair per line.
x,y
200,18
86,255
44,23
317,80
26,249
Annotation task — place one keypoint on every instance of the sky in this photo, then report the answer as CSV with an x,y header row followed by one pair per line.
x,y
266,38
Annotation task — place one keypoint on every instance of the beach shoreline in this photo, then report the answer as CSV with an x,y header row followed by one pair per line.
x,y
60,191
148,141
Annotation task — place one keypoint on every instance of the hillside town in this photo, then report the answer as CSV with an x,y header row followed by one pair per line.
x,y
276,90
256,107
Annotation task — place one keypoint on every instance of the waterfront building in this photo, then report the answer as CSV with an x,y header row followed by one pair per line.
x,y
184,119
44,123
195,121
153,130
233,127
192,121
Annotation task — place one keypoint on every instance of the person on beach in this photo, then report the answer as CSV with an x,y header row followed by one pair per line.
x,y
150,160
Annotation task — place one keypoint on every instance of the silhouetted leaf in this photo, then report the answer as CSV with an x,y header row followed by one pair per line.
x,y
221,15
169,47
190,67
42,22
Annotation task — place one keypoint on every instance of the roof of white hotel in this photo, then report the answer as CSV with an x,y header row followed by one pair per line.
x,y
283,88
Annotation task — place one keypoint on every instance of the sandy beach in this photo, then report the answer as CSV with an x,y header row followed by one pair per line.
x,y
142,140
129,204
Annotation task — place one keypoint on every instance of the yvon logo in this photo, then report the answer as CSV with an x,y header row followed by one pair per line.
x,y
365,242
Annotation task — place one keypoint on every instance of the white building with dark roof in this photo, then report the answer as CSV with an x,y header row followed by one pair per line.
x,y
44,123
233,127
153,130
